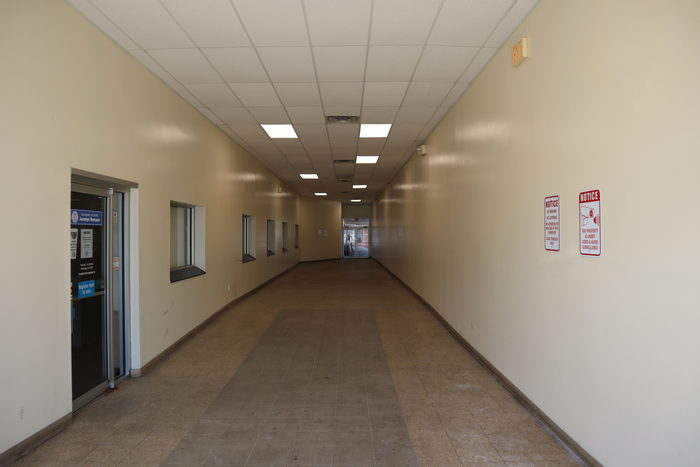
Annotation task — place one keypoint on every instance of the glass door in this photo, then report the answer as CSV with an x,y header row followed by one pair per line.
x,y
355,238
97,290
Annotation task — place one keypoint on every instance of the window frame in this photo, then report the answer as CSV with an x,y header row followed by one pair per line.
x,y
248,252
271,237
285,236
190,269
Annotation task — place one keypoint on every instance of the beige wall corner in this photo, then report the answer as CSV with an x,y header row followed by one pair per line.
x,y
320,229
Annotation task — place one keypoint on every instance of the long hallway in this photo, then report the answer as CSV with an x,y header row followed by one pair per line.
x,y
333,363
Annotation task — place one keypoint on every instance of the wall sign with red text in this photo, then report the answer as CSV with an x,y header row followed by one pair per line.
x,y
552,225
589,222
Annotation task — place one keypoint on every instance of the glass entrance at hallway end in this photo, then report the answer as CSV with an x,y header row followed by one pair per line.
x,y
355,237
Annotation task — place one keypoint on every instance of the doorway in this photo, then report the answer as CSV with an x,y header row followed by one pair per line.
x,y
355,237
99,322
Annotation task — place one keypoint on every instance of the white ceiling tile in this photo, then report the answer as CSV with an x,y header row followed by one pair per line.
x,y
479,62
467,22
154,66
273,22
209,23
298,94
440,63
288,64
370,145
306,115
428,94
290,147
341,94
378,114
214,95
237,64
102,22
251,132
146,22
234,116
315,134
269,114
343,133
210,115
395,22
455,93
346,110
340,63
392,63
338,22
512,20
403,134
256,94
187,95
384,94
414,115
266,148
188,66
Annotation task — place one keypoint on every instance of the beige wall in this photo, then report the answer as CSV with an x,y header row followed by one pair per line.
x,y
320,229
357,210
73,99
606,346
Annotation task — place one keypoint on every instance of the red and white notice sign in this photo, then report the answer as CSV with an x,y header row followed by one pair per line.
x,y
589,222
552,229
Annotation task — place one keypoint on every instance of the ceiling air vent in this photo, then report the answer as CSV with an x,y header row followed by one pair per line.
x,y
342,119
343,161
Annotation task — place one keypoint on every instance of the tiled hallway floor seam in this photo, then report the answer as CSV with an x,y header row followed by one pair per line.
x,y
334,363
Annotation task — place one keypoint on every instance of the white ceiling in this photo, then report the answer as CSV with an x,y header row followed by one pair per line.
x,y
246,62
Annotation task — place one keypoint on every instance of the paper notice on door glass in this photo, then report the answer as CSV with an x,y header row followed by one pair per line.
x,y
589,223
85,243
552,232
73,243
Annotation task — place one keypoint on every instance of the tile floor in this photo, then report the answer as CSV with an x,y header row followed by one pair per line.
x,y
334,363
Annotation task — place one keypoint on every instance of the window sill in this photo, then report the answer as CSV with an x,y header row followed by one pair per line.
x,y
180,274
247,258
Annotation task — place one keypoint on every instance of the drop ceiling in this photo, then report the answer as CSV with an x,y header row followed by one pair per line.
x,y
246,62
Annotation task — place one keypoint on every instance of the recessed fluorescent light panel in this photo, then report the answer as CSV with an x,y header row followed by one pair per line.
x,y
366,159
321,194
359,187
279,131
374,130
309,176
355,200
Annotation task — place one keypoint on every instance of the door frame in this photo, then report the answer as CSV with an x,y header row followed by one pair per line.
x,y
342,237
100,184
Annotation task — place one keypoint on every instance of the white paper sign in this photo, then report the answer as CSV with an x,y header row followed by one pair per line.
x,y
552,225
589,223
85,243
73,243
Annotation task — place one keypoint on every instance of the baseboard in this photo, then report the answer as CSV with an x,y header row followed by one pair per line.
x,y
138,372
319,260
23,447
559,434
30,443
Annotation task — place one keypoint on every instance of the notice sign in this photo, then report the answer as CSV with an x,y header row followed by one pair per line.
x,y
73,243
86,243
589,222
552,232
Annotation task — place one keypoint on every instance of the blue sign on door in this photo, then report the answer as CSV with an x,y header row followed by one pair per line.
x,y
85,217
86,289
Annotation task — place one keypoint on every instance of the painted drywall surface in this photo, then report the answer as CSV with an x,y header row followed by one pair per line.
x,y
607,346
320,229
357,210
74,99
